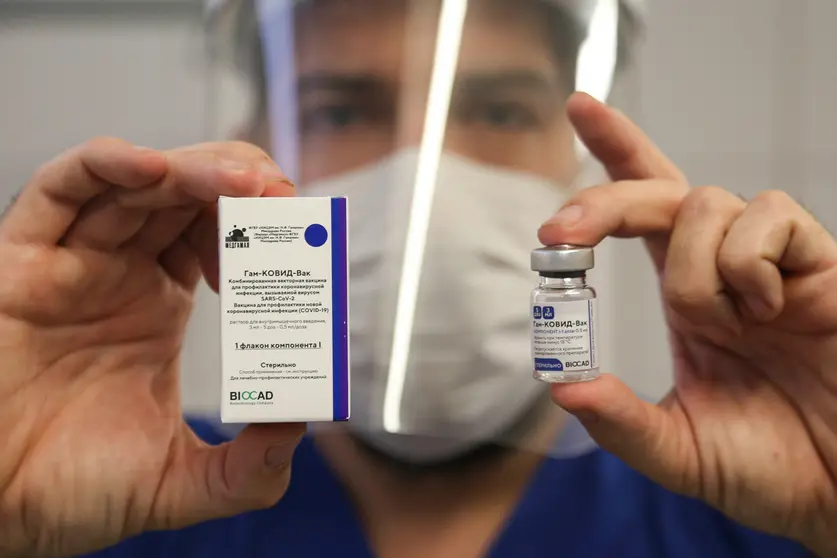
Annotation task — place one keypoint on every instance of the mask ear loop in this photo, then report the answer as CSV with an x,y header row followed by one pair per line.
x,y
276,26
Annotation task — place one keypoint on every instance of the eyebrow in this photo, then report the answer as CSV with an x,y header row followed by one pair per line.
x,y
354,83
474,83
468,82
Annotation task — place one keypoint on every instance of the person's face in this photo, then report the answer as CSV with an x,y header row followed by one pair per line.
x,y
364,69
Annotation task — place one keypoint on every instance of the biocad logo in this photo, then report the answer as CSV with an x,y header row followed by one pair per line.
x,y
251,396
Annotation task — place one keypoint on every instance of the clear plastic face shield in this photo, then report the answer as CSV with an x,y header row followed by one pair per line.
x,y
443,123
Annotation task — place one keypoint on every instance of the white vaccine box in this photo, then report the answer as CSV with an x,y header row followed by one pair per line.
x,y
284,309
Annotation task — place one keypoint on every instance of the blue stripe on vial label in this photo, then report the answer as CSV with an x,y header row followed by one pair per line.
x,y
339,309
548,365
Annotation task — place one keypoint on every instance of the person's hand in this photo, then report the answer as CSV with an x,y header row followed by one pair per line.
x,y
750,296
99,258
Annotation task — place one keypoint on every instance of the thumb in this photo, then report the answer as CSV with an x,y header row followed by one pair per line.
x,y
655,440
251,472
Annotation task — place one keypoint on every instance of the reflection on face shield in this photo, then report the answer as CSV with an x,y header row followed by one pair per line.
x,y
469,371
349,85
362,70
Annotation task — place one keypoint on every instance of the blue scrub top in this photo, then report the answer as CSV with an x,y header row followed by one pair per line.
x,y
590,506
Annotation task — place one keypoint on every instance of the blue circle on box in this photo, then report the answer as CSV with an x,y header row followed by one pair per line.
x,y
316,235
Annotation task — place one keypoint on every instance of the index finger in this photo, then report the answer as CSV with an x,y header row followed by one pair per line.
x,y
627,209
50,202
59,203
626,152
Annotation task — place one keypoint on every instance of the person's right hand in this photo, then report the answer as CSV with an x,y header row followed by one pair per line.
x,y
99,259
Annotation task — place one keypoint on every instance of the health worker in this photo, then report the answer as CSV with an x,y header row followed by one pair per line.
x,y
460,135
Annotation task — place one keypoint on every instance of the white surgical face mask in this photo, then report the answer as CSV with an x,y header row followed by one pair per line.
x,y
469,376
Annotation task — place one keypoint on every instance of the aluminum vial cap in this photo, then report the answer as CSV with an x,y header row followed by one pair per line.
x,y
562,258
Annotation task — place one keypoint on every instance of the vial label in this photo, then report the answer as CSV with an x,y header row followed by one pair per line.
x,y
564,336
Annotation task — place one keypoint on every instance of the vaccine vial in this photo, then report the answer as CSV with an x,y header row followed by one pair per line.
x,y
563,312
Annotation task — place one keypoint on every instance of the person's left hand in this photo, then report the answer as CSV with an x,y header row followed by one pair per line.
x,y
750,296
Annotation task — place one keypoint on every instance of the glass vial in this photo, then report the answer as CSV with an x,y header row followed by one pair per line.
x,y
563,312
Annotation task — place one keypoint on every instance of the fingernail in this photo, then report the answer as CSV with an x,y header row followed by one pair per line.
x,y
567,217
235,166
273,173
280,455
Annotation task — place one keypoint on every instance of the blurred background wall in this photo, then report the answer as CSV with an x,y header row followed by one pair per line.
x,y
740,94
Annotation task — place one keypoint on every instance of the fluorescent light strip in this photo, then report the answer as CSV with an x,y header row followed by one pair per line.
x,y
276,19
451,22
597,56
